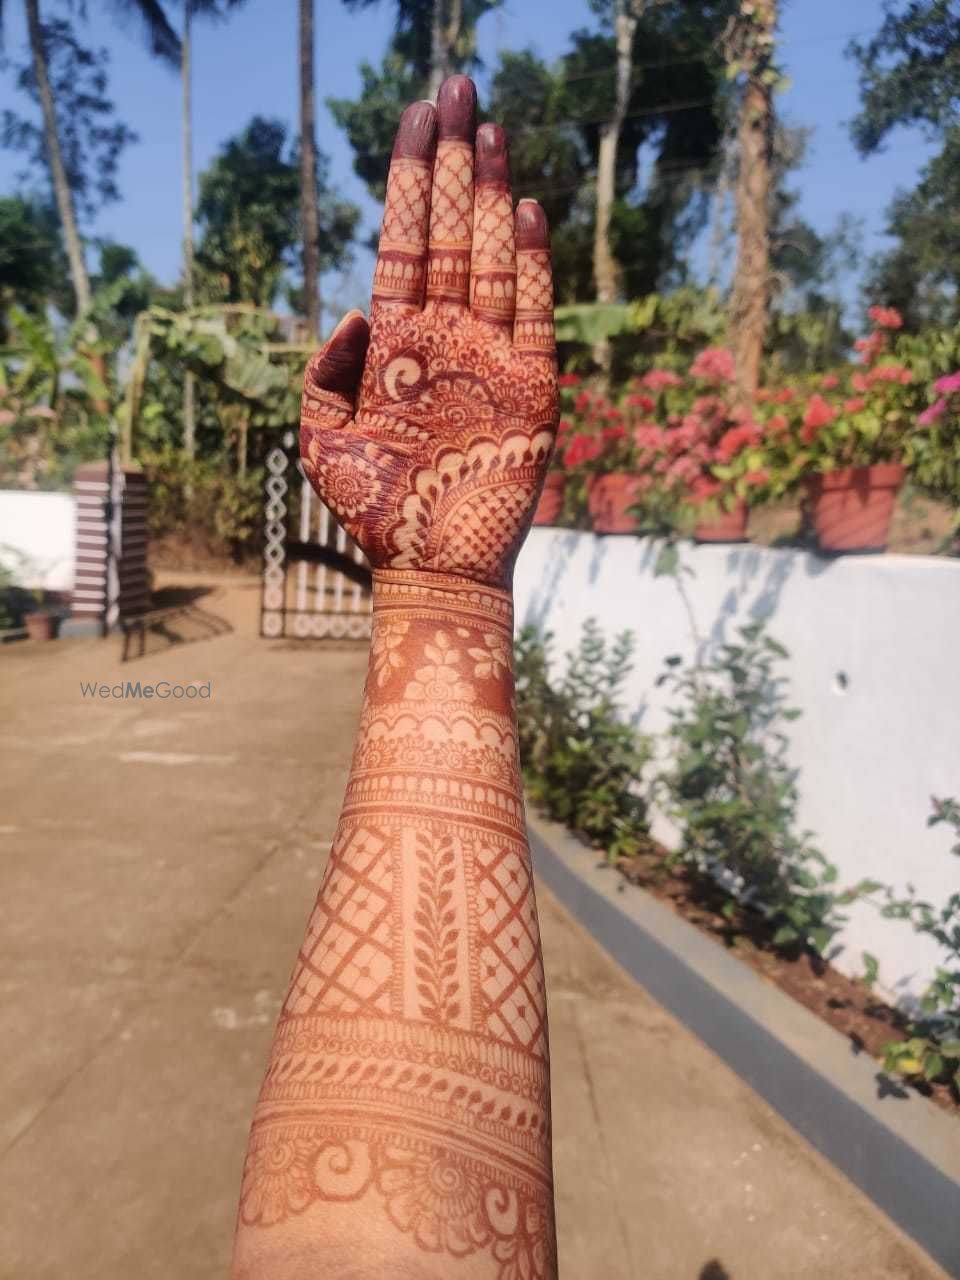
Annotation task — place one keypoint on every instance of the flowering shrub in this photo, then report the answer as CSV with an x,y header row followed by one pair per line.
x,y
696,449
684,437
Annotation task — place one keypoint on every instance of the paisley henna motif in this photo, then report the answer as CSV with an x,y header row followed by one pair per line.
x,y
409,1074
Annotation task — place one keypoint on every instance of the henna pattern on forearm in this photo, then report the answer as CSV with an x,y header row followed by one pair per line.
x,y
411,1057
410,1066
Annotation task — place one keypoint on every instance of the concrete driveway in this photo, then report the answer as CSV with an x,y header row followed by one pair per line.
x,y
159,861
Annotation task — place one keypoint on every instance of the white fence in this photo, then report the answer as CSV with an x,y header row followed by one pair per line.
x,y
37,538
873,665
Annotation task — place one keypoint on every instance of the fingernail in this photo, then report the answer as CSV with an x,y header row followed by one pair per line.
x,y
457,108
417,135
493,159
532,230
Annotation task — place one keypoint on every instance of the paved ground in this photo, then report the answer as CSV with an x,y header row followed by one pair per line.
x,y
159,862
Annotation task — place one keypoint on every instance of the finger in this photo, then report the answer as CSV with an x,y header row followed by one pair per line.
x,y
533,328
331,379
401,258
451,200
493,267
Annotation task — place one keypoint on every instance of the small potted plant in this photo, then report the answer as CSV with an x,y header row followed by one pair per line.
x,y
846,440
41,623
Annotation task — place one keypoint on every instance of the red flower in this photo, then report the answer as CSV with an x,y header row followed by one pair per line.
x,y
646,404
732,441
889,373
854,404
757,478
860,382
818,414
886,317
582,448
583,402
776,424
829,381
703,489
569,380
784,396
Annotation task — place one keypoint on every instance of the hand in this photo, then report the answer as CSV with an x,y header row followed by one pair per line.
x,y
428,432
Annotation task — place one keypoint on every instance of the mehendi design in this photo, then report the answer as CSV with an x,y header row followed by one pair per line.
x,y
410,1068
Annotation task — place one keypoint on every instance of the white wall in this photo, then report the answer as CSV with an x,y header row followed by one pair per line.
x,y
37,538
870,755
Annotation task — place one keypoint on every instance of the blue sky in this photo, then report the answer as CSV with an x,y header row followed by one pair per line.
x,y
248,66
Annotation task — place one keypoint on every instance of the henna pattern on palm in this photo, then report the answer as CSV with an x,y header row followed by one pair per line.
x,y
410,1066
438,462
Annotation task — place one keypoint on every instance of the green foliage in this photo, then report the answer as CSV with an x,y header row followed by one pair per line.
x,y
248,213
933,1048
33,265
222,513
735,797
582,761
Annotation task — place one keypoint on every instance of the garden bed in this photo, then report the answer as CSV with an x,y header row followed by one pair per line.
x,y
845,1004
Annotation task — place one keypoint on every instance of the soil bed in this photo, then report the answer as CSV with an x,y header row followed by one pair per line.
x,y
844,1003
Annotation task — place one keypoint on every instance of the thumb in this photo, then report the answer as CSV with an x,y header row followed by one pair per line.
x,y
336,369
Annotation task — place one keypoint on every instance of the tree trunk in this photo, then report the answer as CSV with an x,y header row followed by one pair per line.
x,y
606,273
751,282
443,37
58,174
189,385
308,175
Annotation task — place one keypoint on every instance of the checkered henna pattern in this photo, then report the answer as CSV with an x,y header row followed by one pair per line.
x,y
408,1088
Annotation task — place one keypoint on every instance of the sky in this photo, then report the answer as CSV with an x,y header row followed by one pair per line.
x,y
248,66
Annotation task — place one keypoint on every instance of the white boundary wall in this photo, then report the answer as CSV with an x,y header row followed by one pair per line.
x,y
37,538
873,665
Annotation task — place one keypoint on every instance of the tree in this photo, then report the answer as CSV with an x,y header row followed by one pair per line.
x,y
910,75
249,217
33,264
432,39
309,211
750,48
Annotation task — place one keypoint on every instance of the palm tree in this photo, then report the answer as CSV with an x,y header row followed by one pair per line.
x,y
310,214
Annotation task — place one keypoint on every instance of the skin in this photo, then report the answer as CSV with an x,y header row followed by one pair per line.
x,y
403,1127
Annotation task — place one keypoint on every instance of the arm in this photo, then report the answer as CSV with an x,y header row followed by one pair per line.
x,y
403,1127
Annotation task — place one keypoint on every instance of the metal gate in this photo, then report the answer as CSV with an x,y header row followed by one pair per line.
x,y
316,585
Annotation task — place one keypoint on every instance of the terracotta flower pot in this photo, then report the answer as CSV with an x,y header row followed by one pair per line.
x,y
851,508
726,526
41,625
608,499
551,499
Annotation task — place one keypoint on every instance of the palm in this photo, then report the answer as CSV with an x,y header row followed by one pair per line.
x,y
436,461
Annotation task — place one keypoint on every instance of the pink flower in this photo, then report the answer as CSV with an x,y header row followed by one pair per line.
x,y
871,347
757,478
889,373
660,379
947,384
649,436
854,404
829,381
886,317
930,415
716,364
569,380
784,396
776,424
860,382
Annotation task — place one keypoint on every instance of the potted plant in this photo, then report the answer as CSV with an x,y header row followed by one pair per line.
x,y
41,624
844,442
